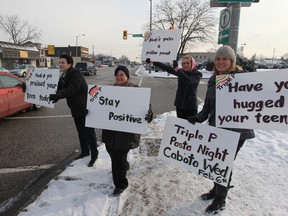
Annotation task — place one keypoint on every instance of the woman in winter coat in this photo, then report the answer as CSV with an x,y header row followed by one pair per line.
x,y
188,80
119,143
225,63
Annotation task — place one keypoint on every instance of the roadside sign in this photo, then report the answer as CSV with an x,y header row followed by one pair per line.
x,y
224,36
225,18
137,35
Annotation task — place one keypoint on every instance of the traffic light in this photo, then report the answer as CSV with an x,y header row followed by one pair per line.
x,y
125,34
171,27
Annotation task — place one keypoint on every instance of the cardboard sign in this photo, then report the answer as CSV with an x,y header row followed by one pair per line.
x,y
161,45
202,149
256,100
118,108
40,83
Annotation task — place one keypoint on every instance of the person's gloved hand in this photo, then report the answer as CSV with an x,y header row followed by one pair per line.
x,y
193,119
149,115
23,86
175,63
148,61
54,97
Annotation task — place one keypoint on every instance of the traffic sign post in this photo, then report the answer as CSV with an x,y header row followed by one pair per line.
x,y
223,37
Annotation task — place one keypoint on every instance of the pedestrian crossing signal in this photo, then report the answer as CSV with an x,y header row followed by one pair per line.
x,y
125,34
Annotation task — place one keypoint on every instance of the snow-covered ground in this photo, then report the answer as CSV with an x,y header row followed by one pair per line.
x,y
259,179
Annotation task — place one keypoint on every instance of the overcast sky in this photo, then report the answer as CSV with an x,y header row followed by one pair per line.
x,y
263,26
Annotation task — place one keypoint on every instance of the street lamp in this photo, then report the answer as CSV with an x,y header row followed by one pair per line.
x,y
77,44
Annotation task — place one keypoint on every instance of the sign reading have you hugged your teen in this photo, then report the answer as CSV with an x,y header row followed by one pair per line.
x,y
256,100
40,83
202,149
161,45
118,108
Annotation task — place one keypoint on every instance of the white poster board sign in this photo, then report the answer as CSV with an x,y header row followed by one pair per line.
x,y
161,45
202,149
257,100
40,83
118,108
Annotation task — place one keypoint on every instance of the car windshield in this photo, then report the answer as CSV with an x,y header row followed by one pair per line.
x,y
80,66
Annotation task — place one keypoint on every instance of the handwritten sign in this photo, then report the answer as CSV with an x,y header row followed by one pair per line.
x,y
40,84
161,45
202,149
118,108
253,100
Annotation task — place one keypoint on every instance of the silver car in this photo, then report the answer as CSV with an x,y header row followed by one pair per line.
x,y
21,70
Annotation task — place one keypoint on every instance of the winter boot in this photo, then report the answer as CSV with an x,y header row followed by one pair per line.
x,y
210,195
218,204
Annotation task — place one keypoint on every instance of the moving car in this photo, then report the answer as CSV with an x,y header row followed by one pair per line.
x,y
2,69
22,70
86,68
11,96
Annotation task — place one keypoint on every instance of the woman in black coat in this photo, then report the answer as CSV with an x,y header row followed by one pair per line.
x,y
118,143
225,63
188,80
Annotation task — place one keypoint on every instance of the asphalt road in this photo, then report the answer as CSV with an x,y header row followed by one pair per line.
x,y
36,145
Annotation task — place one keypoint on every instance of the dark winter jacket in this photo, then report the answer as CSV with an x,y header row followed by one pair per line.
x,y
118,140
74,88
188,81
209,108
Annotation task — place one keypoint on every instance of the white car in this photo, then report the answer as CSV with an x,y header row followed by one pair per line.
x,y
21,70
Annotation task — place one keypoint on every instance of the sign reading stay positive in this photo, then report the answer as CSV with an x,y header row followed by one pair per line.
x,y
227,1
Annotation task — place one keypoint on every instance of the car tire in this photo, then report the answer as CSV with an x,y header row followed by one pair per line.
x,y
36,107
24,74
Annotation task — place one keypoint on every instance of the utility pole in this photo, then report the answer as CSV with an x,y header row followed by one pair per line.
x,y
234,27
150,29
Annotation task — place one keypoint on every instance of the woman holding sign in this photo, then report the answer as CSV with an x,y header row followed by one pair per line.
x,y
225,63
188,80
118,143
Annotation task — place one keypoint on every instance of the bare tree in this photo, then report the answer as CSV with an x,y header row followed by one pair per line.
x,y
124,59
19,31
195,17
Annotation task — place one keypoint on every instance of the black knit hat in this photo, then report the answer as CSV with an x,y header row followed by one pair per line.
x,y
122,68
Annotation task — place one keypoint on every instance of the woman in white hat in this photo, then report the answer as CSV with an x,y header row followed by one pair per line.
x,y
225,63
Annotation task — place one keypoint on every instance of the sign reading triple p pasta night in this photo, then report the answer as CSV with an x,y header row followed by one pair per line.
x,y
204,150
118,108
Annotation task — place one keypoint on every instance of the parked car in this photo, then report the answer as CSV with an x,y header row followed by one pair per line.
x,y
86,68
2,69
11,96
22,70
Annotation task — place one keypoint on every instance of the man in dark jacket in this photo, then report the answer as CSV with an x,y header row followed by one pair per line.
x,y
74,88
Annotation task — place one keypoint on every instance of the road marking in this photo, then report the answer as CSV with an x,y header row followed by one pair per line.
x,y
140,83
26,168
40,117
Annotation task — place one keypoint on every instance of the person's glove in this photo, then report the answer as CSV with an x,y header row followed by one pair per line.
x,y
149,115
54,97
193,119
148,61
175,63
23,86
